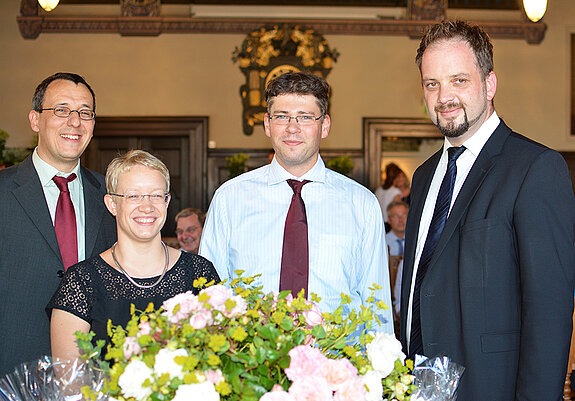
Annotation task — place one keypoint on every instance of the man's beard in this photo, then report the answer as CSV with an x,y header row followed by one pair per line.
x,y
452,130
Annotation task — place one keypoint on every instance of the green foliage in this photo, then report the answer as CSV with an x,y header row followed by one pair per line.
x,y
341,164
10,156
237,164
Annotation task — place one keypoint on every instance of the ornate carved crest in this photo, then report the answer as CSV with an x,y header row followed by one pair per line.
x,y
141,8
274,50
426,9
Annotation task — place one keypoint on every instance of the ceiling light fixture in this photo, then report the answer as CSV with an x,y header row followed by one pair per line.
x,y
48,5
535,9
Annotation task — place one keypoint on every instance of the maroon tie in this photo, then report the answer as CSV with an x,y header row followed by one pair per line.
x,y
65,222
295,253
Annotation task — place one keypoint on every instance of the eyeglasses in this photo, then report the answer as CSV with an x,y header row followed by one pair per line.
x,y
136,199
64,112
304,119
398,216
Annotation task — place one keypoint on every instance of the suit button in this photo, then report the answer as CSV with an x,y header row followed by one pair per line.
x,y
60,273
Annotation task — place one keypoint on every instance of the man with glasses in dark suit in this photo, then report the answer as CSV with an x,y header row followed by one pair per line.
x,y
489,263
52,215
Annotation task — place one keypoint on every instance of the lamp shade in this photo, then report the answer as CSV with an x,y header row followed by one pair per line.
x,y
48,5
535,9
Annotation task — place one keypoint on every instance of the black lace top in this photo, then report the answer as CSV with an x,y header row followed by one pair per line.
x,y
95,291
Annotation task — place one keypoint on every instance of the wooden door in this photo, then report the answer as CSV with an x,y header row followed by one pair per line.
x,y
180,142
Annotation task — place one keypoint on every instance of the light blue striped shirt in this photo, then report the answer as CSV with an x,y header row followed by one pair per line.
x,y
245,226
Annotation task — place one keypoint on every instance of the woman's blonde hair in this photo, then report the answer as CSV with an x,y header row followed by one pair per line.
x,y
131,158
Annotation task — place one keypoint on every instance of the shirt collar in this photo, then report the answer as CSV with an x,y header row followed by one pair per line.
x,y
46,172
277,174
478,140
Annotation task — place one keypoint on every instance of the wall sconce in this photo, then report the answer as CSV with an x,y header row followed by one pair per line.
x,y
48,5
535,9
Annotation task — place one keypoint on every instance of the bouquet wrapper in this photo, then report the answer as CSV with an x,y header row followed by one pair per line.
x,y
436,378
51,380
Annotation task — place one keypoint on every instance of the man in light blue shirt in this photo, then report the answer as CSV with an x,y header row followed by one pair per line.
x,y
244,229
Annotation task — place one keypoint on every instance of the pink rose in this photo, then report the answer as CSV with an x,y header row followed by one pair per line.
x,y
214,376
131,347
305,362
239,309
187,302
338,371
311,389
218,294
201,319
145,328
278,395
313,316
351,390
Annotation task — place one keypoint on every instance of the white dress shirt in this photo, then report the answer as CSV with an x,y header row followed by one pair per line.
x,y
51,193
464,163
245,225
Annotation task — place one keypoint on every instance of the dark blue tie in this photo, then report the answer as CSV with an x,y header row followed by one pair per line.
x,y
440,214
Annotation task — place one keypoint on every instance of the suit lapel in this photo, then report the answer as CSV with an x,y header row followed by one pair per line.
x,y
418,195
30,196
94,209
484,162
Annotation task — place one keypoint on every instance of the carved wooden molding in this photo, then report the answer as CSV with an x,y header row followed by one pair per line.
x,y
32,26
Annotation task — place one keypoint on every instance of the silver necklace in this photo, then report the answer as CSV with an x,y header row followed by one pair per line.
x,y
131,279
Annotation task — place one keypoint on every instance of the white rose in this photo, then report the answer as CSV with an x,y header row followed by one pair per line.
x,y
165,362
383,351
372,380
204,391
131,381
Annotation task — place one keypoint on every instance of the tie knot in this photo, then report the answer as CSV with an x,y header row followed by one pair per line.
x,y
454,152
297,185
62,182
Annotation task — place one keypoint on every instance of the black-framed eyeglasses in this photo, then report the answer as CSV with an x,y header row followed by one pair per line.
x,y
303,119
136,199
64,112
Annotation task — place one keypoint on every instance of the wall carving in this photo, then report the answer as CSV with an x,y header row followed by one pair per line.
x,y
270,51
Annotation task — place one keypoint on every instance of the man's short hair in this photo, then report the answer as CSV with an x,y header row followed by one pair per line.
x,y
299,83
473,35
132,158
190,211
397,203
38,98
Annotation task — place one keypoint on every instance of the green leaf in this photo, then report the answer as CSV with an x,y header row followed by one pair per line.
x,y
287,324
299,337
272,355
318,332
269,332
261,355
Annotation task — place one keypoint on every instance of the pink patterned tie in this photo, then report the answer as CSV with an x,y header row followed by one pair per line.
x,y
65,222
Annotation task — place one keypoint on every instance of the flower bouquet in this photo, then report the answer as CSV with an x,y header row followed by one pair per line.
x,y
239,344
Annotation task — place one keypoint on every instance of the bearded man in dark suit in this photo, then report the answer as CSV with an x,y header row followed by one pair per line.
x,y
491,284
31,261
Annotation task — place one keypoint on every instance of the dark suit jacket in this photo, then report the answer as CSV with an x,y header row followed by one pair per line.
x,y
30,258
498,294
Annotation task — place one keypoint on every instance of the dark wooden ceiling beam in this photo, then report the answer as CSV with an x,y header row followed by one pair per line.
x,y
32,25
